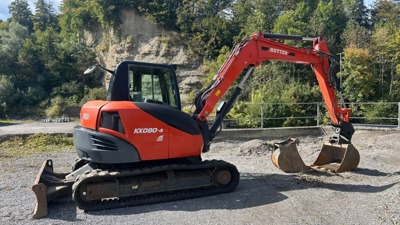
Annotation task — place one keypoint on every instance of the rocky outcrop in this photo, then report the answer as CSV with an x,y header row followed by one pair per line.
x,y
140,40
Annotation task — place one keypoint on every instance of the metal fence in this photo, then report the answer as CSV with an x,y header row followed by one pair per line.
x,y
363,113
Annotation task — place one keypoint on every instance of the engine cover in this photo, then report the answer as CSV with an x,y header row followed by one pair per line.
x,y
124,132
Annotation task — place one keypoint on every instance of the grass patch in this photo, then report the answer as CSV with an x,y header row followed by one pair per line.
x,y
7,123
25,145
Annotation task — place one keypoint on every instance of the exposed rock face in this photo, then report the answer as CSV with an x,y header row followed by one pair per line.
x,y
140,40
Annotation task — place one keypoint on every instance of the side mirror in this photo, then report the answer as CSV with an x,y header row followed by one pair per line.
x,y
90,70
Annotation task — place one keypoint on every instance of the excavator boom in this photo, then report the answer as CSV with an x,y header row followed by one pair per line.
x,y
256,49
252,52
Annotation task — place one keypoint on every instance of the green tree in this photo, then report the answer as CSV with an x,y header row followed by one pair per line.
x,y
205,21
359,83
386,12
355,35
29,65
73,58
271,96
357,11
6,95
211,67
242,10
108,12
328,21
38,61
11,41
394,45
253,16
21,13
75,17
163,12
4,25
385,50
294,21
44,16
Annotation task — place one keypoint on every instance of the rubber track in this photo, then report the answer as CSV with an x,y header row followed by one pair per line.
x,y
98,175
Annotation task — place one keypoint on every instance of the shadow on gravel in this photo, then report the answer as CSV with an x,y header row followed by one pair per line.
x,y
375,173
297,182
357,188
362,188
369,172
253,190
63,209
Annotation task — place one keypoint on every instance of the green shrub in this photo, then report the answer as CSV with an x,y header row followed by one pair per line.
x,y
24,145
98,93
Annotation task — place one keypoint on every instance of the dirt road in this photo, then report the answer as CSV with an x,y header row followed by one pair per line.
x,y
31,128
265,195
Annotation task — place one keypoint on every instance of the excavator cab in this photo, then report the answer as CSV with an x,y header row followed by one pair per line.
x,y
145,82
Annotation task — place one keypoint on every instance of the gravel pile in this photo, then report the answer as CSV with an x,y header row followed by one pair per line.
x,y
255,147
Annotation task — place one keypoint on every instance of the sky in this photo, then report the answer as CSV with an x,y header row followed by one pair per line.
x,y
4,14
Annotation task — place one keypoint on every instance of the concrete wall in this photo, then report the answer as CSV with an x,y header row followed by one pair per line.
x,y
269,133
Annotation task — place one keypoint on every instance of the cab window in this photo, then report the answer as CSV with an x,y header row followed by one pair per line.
x,y
153,84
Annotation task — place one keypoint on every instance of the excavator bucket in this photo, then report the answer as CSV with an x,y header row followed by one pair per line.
x,y
337,158
287,158
47,187
333,157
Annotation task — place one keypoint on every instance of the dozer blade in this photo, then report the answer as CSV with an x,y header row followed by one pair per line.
x,y
287,158
337,158
47,187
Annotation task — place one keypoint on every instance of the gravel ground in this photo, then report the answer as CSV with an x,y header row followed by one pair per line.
x,y
265,195
23,128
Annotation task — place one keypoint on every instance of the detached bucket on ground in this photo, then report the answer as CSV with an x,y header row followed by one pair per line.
x,y
337,158
333,157
287,158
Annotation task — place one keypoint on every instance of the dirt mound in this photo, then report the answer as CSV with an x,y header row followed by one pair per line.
x,y
255,147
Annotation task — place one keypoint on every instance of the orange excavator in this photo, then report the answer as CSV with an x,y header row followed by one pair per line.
x,y
138,147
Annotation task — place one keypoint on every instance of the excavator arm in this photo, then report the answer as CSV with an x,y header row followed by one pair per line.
x,y
252,52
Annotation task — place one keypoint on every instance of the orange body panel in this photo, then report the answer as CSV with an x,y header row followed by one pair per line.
x,y
90,112
153,138
182,144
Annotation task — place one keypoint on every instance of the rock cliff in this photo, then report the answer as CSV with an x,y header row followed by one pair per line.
x,y
140,40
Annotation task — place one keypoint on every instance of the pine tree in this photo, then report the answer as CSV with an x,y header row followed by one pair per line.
x,y
21,13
